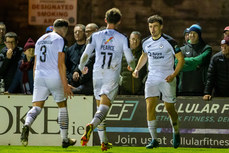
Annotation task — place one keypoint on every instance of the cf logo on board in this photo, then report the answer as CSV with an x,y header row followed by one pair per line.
x,y
122,110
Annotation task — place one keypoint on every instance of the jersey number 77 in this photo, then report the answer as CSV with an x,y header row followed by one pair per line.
x,y
106,55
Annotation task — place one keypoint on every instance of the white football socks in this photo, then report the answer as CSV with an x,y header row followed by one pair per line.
x,y
100,115
32,115
152,126
63,122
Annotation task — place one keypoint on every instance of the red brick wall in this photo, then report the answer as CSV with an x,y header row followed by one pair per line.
x,y
212,15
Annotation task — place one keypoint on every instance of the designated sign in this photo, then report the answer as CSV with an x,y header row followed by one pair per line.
x,y
202,123
45,12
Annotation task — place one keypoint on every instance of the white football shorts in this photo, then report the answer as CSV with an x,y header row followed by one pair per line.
x,y
168,90
43,87
109,87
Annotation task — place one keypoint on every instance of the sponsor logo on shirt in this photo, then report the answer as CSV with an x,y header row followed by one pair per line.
x,y
109,40
156,55
107,47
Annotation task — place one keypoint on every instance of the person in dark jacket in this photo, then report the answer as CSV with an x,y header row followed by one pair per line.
x,y
130,85
23,79
186,36
11,55
83,82
197,55
2,34
218,73
75,51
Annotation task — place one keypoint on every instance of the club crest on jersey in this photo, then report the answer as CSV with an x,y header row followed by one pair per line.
x,y
187,53
161,46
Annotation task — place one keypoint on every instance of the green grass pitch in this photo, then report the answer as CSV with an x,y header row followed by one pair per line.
x,y
115,149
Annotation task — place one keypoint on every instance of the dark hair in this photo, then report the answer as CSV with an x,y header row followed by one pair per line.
x,y
11,35
155,18
113,15
2,23
60,23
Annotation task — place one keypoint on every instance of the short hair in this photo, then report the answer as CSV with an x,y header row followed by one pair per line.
x,y
137,33
60,23
155,18
113,15
81,26
2,23
11,35
95,26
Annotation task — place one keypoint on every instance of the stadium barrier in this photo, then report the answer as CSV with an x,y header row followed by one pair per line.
x,y
45,129
202,123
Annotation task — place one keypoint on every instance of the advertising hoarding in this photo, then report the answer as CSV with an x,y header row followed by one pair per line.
x,y
45,129
202,123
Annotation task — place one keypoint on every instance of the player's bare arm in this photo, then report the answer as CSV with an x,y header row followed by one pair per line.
x,y
83,61
62,71
85,57
179,66
141,62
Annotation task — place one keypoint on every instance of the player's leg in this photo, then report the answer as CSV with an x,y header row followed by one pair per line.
x,y
99,116
40,94
30,117
102,128
151,96
102,133
151,103
170,107
169,98
56,88
63,122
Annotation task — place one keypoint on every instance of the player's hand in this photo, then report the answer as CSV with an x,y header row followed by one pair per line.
x,y
9,53
169,78
85,70
129,68
75,76
68,91
135,73
207,97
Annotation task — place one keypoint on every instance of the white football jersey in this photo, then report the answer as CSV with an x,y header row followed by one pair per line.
x,y
160,55
46,51
109,46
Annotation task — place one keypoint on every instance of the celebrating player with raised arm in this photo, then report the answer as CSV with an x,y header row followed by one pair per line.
x,y
109,46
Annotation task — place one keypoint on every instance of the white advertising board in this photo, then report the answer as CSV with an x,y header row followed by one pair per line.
x,y
45,129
